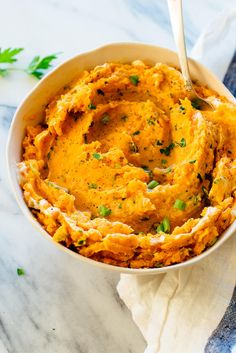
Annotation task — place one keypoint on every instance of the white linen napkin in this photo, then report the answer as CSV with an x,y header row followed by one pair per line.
x,y
183,311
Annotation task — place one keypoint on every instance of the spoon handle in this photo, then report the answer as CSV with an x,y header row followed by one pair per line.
x,y
176,18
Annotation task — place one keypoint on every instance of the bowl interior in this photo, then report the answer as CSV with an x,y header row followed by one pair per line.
x,y
31,112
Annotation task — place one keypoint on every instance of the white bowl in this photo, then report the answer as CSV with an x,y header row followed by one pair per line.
x,y
31,111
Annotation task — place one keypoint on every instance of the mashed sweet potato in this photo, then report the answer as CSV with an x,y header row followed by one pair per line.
x,y
126,170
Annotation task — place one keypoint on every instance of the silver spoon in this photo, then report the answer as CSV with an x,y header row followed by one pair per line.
x,y
176,18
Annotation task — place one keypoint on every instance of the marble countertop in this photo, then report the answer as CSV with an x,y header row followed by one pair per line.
x,y
60,305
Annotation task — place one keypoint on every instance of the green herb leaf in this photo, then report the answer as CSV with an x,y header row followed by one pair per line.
x,y
104,211
163,161
97,156
20,271
133,147
136,133
181,205
159,142
38,65
92,186
181,108
192,161
182,142
81,242
150,121
9,55
134,79
168,170
164,226
91,106
105,119
196,103
152,184
168,149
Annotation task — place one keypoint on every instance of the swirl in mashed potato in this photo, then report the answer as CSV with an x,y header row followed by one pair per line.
x,y
126,170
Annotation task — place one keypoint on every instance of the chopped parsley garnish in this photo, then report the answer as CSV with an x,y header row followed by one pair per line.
x,y
20,271
150,121
133,147
92,186
196,103
120,205
159,142
136,133
91,106
152,184
105,119
199,177
192,161
81,242
97,156
100,91
182,142
168,149
163,161
134,79
104,211
181,108
168,170
164,226
158,265
181,205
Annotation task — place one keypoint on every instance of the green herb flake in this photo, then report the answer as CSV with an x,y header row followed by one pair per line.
x,y
81,242
181,108
164,226
150,121
92,186
181,205
168,170
158,265
124,117
182,142
196,103
104,211
133,147
163,161
97,156
91,106
120,205
136,133
20,271
192,161
9,55
152,184
105,119
38,65
134,79
168,149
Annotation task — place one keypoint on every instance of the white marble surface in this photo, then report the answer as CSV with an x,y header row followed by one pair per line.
x,y
60,305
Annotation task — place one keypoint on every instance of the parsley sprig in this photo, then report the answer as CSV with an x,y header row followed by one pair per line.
x,y
36,67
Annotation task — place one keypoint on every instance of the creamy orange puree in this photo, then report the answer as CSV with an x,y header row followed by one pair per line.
x,y
126,170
